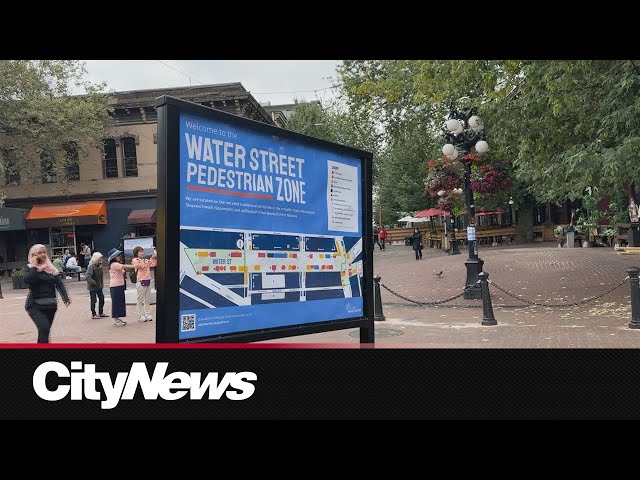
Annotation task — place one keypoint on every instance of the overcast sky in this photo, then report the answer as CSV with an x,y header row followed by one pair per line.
x,y
277,81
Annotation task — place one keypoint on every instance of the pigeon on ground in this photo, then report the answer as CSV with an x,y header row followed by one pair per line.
x,y
437,274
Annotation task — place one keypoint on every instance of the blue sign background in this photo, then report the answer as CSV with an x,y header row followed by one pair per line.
x,y
218,206
314,174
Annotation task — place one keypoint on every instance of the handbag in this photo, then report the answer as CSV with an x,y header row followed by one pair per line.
x,y
145,283
133,276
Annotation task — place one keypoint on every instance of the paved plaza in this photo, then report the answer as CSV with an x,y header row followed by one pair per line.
x,y
541,273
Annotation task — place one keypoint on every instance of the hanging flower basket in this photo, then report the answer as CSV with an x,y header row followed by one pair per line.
x,y
470,158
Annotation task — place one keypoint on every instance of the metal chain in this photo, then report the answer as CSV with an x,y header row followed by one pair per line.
x,y
435,302
572,304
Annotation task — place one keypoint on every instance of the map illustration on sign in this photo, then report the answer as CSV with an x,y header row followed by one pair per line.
x,y
265,268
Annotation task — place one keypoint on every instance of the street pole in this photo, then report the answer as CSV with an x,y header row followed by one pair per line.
x,y
511,211
464,130
473,263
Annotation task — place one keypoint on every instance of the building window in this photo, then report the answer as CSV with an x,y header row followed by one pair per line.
x,y
72,164
109,160
129,158
11,172
48,170
61,239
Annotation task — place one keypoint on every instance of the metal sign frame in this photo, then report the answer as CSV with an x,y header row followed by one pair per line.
x,y
168,228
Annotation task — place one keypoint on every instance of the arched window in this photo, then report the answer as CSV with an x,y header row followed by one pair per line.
x,y
109,160
129,157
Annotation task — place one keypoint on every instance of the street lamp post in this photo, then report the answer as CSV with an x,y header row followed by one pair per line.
x,y
464,131
511,210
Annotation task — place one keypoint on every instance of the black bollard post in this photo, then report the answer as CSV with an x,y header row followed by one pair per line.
x,y
377,299
487,308
635,296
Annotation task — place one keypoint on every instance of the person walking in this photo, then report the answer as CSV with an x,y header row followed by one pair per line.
x,y
382,236
417,243
375,237
143,282
116,287
43,280
95,284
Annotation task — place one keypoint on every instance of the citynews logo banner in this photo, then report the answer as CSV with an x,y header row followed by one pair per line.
x,y
190,382
55,381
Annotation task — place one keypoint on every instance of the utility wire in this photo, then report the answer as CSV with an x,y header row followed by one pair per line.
x,y
180,71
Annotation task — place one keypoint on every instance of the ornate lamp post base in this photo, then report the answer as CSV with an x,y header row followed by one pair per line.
x,y
473,290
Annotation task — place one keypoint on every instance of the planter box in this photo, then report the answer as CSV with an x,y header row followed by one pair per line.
x,y
18,283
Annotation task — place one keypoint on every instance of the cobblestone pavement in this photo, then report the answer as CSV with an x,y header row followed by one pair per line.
x,y
538,272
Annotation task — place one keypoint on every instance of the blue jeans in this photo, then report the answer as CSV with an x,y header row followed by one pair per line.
x,y
97,294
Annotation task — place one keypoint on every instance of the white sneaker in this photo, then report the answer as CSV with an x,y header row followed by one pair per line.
x,y
142,318
148,318
119,323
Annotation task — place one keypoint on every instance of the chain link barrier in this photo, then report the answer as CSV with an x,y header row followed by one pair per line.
x,y
422,304
556,305
506,292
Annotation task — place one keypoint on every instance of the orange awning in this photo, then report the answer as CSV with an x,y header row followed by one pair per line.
x,y
137,217
64,214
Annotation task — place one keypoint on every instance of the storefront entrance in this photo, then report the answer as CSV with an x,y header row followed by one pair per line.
x,y
69,225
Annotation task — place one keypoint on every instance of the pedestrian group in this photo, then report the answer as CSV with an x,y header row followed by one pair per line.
x,y
44,278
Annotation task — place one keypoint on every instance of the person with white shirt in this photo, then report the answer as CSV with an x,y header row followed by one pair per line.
x,y
72,264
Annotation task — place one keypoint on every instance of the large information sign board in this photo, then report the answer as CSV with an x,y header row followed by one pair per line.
x,y
262,232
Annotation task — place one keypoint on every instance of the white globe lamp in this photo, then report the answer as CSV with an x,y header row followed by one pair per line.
x,y
482,146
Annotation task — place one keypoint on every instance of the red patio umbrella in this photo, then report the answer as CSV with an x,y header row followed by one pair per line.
x,y
430,212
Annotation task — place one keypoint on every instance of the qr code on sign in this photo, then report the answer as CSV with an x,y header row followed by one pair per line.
x,y
188,322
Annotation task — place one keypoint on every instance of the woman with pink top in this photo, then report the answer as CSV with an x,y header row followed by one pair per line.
x,y
116,287
143,282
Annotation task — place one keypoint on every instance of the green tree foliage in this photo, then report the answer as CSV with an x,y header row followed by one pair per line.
x,y
399,185
310,119
410,99
565,125
579,128
38,117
